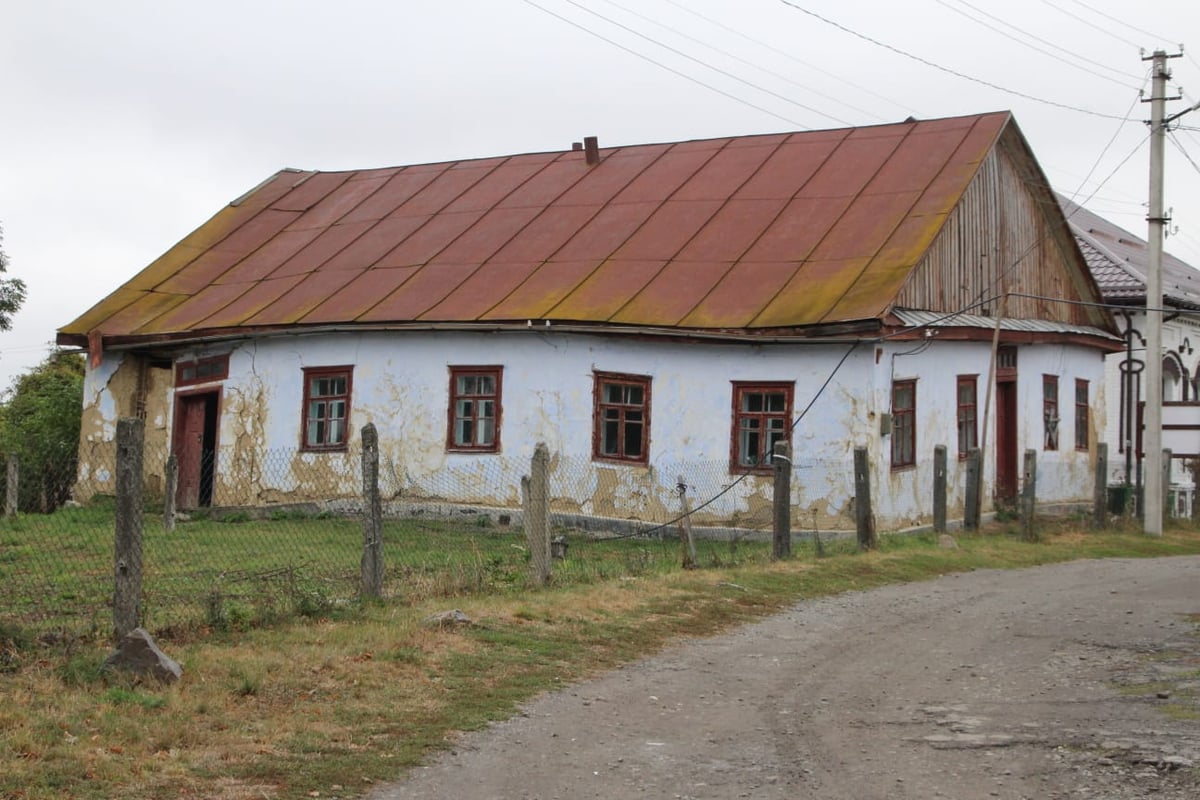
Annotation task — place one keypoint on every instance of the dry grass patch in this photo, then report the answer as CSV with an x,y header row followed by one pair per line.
x,y
351,700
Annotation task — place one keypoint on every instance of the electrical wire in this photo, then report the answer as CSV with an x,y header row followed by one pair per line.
x,y
1111,18
748,63
661,65
781,52
1053,55
944,69
703,63
1091,24
1179,146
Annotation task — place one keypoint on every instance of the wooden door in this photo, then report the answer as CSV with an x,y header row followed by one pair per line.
x,y
1006,441
193,446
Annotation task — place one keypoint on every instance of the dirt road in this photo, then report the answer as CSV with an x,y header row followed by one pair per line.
x,y
1069,681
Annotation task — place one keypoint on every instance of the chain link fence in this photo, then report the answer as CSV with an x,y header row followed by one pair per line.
x,y
262,535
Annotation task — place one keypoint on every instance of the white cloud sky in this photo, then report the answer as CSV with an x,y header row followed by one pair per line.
x,y
127,124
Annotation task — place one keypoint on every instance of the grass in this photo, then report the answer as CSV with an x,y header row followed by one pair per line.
x,y
235,573
330,704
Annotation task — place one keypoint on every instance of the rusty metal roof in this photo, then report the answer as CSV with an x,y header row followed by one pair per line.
x,y
746,233
1119,261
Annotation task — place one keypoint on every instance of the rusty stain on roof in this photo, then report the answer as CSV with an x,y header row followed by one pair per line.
x,y
744,233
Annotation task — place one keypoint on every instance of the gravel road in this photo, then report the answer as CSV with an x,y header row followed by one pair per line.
x,y
1076,680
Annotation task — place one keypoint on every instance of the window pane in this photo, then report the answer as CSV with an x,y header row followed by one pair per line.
x,y
337,431
611,393
487,408
608,444
748,448
777,402
487,431
465,408
633,438
752,402
464,431
634,395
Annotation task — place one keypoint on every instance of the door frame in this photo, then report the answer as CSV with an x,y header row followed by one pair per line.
x,y
212,419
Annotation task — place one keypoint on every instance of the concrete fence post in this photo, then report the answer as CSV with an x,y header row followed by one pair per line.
x,y
863,517
781,518
537,516
12,488
1100,490
939,488
127,587
686,543
972,505
1029,497
372,555
172,486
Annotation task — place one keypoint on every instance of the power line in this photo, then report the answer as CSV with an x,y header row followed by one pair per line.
x,y
1179,146
1120,22
747,62
661,65
1091,24
1053,55
941,68
702,63
778,51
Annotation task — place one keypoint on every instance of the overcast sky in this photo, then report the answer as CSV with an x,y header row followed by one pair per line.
x,y
124,124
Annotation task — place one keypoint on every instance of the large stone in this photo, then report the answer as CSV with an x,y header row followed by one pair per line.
x,y
137,653
447,619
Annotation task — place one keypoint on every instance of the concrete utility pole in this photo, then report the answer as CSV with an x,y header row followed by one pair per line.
x,y
1152,453
1152,506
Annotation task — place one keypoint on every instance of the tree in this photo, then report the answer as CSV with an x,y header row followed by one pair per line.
x,y
12,291
39,424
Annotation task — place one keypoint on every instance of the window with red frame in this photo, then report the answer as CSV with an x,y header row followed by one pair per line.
x,y
904,423
762,415
1082,414
1049,412
621,419
968,414
326,407
474,409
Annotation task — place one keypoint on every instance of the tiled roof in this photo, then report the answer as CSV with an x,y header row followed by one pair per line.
x,y
752,232
1119,261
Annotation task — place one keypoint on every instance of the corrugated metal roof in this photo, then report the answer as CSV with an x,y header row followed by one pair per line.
x,y
1119,261
917,318
753,232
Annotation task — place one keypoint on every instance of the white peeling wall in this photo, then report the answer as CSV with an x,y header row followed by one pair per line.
x,y
401,382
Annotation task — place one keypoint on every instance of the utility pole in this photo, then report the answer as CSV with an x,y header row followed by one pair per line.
x,y
1152,492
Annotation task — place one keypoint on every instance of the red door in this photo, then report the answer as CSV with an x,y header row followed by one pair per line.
x,y
1006,441
195,428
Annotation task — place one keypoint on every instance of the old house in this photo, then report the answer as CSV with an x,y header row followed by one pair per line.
x,y
1119,261
637,308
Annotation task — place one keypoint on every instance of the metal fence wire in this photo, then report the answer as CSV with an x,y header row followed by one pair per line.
x,y
275,533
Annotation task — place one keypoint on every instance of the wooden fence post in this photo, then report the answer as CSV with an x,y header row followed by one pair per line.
x,y
686,542
781,519
172,481
939,489
1100,491
372,556
12,493
1029,497
537,516
864,519
127,588
972,507
1166,482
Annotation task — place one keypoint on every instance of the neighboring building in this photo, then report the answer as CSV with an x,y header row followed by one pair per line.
x,y
635,308
1119,262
